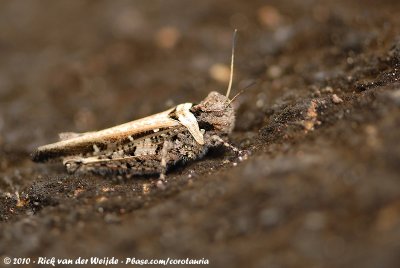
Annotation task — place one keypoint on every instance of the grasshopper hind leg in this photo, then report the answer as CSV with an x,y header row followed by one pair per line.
x,y
124,165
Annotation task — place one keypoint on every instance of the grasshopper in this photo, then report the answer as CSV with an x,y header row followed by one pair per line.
x,y
152,144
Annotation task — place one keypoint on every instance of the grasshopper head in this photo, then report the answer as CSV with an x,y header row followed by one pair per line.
x,y
215,114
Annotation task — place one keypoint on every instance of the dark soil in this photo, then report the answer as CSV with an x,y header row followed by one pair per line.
x,y
321,187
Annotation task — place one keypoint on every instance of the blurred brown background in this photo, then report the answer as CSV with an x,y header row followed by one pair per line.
x,y
321,188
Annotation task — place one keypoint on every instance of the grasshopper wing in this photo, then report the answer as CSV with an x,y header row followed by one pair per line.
x,y
83,143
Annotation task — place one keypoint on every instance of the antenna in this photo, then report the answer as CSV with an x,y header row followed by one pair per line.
x,y
241,91
232,62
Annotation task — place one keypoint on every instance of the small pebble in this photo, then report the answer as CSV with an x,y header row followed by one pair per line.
x,y
220,72
336,99
274,71
316,93
350,60
167,37
146,188
101,199
244,157
269,16
260,103
106,189
161,185
372,136
327,89
78,191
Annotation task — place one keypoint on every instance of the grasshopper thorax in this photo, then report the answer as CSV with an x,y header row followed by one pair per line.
x,y
215,114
